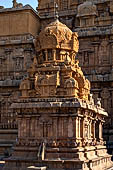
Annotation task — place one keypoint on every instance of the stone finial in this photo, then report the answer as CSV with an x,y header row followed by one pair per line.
x,y
1,7
56,10
17,5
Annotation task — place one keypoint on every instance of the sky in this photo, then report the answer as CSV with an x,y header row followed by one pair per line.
x,y
8,3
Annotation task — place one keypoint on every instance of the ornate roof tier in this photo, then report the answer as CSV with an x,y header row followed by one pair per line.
x,y
56,35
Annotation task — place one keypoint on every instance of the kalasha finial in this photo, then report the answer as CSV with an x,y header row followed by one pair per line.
x,y
56,16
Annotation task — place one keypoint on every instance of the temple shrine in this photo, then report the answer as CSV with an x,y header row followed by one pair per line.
x,y
59,123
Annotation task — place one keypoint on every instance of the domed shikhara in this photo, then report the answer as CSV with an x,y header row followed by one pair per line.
x,y
55,72
87,9
57,36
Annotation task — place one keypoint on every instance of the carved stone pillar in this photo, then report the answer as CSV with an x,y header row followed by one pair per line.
x,y
79,119
19,127
46,55
83,128
27,127
100,130
54,55
105,95
90,122
9,62
55,128
70,128
77,129
93,129
27,58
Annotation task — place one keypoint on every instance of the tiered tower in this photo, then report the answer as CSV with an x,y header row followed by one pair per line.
x,y
59,126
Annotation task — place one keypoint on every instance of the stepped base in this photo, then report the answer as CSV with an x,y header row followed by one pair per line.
x,y
101,163
81,158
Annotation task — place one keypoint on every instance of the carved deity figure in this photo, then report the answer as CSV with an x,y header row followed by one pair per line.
x,y
17,5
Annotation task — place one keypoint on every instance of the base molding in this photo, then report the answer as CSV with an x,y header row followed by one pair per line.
x,y
100,163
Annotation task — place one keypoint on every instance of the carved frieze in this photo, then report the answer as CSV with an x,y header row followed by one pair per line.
x,y
45,85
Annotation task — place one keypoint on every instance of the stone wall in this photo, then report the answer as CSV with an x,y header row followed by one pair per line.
x,y
19,26
18,21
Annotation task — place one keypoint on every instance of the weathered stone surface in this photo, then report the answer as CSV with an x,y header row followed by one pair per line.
x,y
59,126
16,54
19,25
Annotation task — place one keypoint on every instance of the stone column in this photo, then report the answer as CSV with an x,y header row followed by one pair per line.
x,y
112,55
77,129
83,129
54,55
27,127
36,128
46,55
100,130
88,130
90,127
27,58
93,129
19,127
70,128
96,61
9,61
65,127
55,128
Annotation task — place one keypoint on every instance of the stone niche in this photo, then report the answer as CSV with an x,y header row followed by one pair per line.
x,y
59,126
86,13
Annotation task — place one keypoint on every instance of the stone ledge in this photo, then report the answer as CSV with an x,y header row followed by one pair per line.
x,y
94,31
39,168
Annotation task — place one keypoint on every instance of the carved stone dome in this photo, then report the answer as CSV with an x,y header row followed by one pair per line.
x,y
56,35
87,9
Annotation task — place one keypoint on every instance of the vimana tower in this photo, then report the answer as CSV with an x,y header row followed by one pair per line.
x,y
59,125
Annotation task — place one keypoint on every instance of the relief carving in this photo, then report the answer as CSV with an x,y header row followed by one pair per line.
x,y
52,38
104,52
105,94
45,85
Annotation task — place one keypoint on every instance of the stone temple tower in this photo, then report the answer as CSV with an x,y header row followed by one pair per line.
x,y
59,126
